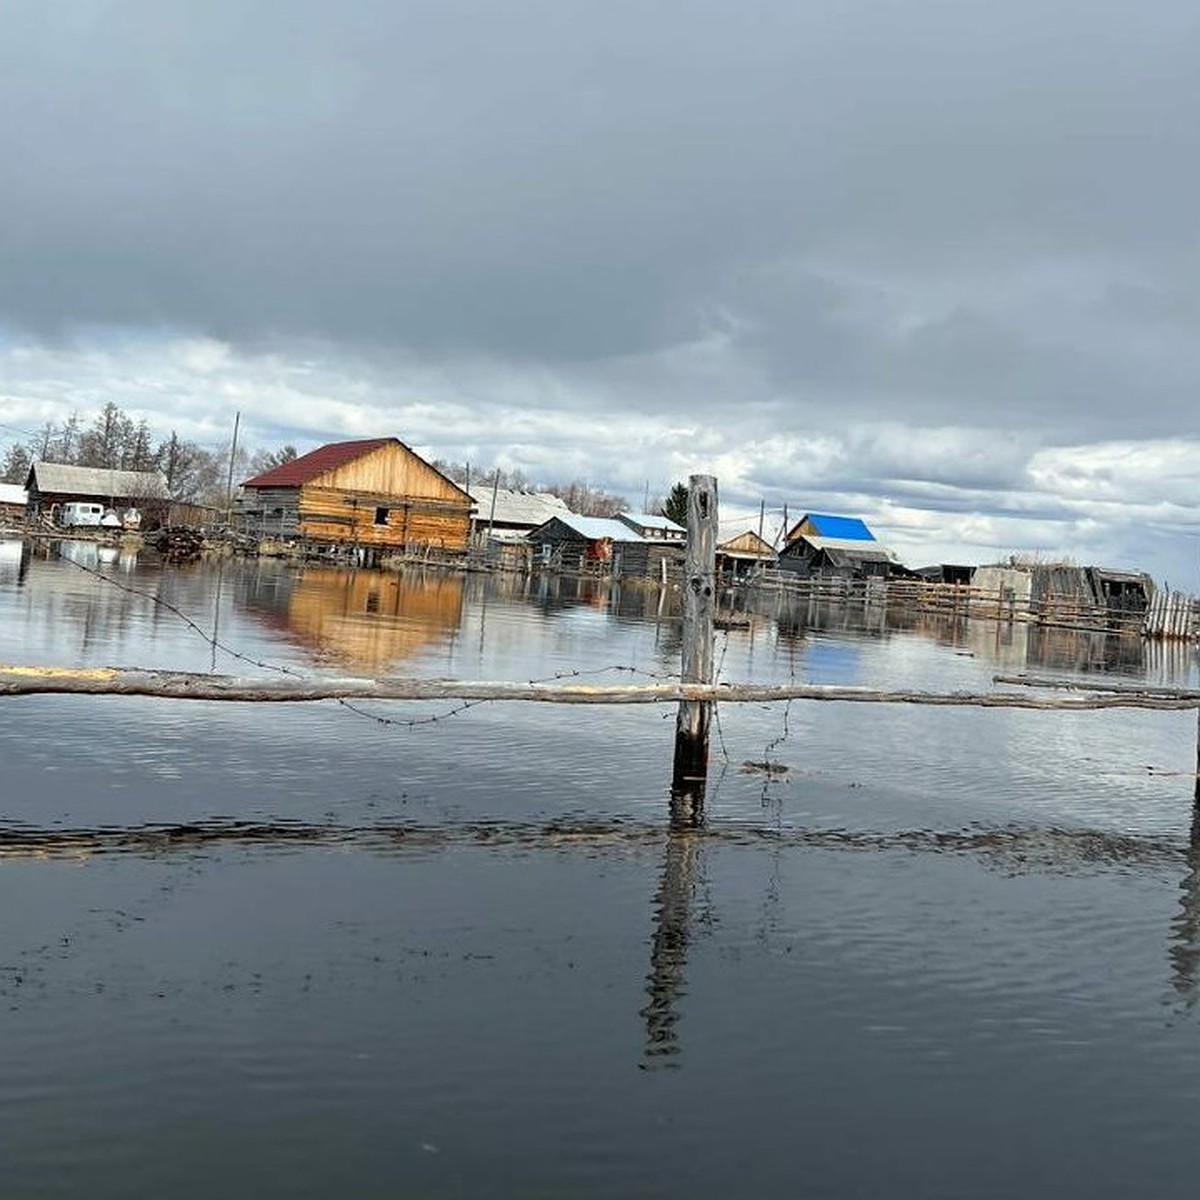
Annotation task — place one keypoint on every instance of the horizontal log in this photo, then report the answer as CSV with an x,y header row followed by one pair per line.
x,y
180,685
1115,687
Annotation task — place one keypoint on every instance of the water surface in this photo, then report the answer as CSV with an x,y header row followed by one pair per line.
x,y
310,950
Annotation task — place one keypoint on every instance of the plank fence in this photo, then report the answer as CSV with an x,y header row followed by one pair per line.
x,y
1172,616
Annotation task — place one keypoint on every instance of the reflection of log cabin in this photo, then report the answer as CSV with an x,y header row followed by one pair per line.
x,y
376,493
367,620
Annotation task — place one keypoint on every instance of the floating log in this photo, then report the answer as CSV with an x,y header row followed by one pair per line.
x,y
180,685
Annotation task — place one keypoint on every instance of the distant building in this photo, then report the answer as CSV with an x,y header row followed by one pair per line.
x,y
956,573
13,502
1060,590
744,555
654,527
823,544
374,493
596,545
505,511
51,485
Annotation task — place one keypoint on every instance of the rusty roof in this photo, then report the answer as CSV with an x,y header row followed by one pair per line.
x,y
317,462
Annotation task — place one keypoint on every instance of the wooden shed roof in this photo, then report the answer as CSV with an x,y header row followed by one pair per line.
x,y
100,482
748,545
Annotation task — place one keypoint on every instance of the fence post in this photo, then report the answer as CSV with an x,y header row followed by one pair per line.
x,y
699,600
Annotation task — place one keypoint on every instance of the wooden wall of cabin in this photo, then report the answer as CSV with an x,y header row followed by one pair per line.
x,y
372,519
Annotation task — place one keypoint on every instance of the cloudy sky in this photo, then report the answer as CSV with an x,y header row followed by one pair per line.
x,y
931,262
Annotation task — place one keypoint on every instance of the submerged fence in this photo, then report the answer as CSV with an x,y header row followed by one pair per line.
x,y
1168,615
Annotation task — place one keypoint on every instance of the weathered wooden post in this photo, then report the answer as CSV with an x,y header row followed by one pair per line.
x,y
699,600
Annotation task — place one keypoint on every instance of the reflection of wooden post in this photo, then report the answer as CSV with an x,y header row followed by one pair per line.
x,y
699,597
1184,950
666,984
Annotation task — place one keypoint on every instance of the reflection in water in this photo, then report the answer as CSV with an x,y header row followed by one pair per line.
x,y
14,560
369,620
666,984
1185,929
1012,850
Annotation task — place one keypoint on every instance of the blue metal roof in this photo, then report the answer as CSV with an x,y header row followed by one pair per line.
x,y
849,528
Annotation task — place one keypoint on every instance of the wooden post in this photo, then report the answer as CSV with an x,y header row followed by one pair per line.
x,y
699,599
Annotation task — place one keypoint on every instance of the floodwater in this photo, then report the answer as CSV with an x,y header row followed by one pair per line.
x,y
390,950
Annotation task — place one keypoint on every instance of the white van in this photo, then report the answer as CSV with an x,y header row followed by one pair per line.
x,y
79,513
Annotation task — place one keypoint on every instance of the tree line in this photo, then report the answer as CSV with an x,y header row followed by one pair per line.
x,y
199,474
115,441
579,496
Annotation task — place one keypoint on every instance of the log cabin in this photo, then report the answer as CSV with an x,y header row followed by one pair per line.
x,y
375,493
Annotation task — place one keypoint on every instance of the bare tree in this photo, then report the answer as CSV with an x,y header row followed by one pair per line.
x,y
588,501
262,461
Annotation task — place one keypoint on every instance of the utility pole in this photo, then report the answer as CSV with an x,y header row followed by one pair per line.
x,y
762,513
237,418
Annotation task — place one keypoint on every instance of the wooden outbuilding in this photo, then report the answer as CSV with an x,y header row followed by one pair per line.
x,y
375,494
744,555
591,545
13,502
654,527
51,485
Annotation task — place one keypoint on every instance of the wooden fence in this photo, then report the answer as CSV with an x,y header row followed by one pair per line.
x,y
1170,615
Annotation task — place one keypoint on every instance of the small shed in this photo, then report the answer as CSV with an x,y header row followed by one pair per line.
x,y
744,555
597,545
13,502
654,527
958,574
51,485
1121,591
374,493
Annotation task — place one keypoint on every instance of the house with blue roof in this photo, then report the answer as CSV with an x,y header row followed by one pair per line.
x,y
825,544
825,525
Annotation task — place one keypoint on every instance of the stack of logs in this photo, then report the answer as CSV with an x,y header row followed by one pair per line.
x,y
179,543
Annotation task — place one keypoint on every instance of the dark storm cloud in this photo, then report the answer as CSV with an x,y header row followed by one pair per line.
x,y
843,190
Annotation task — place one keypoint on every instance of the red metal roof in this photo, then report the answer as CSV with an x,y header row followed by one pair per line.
x,y
316,462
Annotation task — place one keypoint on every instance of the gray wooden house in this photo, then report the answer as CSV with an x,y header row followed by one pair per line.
x,y
590,545
654,527
51,485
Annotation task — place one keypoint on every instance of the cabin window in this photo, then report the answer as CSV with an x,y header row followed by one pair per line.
x,y
381,516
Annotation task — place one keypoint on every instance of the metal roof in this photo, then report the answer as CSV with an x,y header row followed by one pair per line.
x,y
844,528
651,521
98,481
518,508
595,528
856,547
316,462
13,493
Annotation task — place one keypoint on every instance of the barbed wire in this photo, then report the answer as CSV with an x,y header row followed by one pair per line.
x,y
393,722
